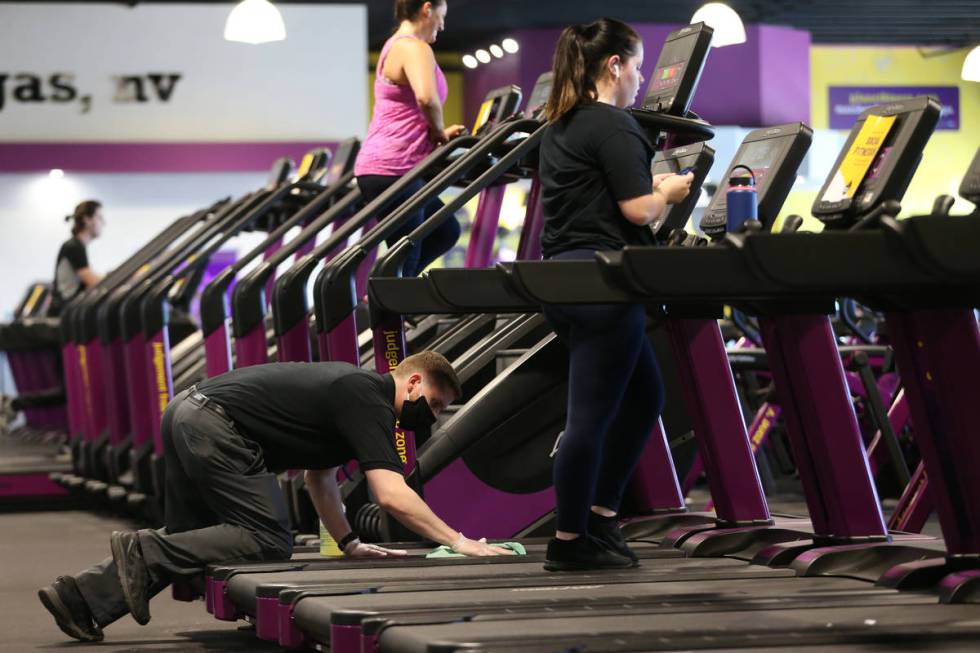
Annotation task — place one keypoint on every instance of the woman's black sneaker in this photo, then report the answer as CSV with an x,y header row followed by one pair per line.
x,y
606,530
69,609
583,553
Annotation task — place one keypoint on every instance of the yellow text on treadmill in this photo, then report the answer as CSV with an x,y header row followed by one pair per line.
x,y
863,151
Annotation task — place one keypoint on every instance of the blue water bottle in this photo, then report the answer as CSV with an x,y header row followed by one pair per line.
x,y
742,199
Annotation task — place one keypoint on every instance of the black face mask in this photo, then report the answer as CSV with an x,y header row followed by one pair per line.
x,y
416,414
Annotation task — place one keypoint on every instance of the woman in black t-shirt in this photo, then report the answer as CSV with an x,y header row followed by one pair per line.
x,y
72,273
598,194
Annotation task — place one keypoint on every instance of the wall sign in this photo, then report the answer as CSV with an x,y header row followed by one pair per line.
x,y
164,73
848,102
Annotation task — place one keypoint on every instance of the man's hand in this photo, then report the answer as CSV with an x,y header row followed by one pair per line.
x,y
358,549
659,178
479,548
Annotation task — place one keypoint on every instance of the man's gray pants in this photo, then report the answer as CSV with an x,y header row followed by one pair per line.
x,y
221,505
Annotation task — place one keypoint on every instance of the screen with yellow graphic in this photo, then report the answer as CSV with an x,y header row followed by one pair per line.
x,y
483,116
305,166
860,156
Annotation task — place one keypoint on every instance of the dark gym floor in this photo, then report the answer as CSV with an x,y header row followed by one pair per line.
x,y
37,547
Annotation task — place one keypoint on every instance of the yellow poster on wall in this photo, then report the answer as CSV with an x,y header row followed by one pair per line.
x,y
859,158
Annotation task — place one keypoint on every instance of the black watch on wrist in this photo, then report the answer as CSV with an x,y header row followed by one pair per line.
x,y
347,539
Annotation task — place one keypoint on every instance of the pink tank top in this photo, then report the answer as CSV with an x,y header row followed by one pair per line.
x,y
398,136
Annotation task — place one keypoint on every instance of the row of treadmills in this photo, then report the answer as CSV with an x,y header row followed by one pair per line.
x,y
737,577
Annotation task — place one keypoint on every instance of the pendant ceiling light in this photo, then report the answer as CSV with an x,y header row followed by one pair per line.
x,y
724,20
971,66
255,21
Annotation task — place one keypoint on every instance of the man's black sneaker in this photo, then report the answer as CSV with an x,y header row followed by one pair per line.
x,y
69,609
583,553
133,575
606,530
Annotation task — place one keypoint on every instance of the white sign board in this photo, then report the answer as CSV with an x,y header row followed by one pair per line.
x,y
163,72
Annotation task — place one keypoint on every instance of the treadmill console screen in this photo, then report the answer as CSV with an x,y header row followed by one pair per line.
x,y
878,161
281,170
678,69
774,154
698,158
970,187
539,95
499,105
343,159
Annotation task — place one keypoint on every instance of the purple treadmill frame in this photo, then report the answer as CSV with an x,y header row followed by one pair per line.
x,y
160,382
529,246
840,492
253,347
479,253
117,408
69,360
938,353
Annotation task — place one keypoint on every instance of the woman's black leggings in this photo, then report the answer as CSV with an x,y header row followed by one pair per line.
x,y
435,245
615,397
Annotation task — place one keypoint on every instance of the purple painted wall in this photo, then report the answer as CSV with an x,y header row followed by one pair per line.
x,y
150,157
764,81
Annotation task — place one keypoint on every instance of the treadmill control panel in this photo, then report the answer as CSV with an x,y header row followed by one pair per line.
x,y
499,105
678,70
970,187
539,95
774,154
698,159
878,160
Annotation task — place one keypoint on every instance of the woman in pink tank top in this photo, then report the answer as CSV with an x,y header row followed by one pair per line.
x,y
409,91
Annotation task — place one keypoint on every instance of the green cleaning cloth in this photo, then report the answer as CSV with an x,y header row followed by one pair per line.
x,y
447,552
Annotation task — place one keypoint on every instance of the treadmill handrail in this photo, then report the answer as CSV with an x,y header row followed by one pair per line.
x,y
247,298
289,294
333,291
213,312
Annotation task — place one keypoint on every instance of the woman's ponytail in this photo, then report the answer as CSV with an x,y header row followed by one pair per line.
x,y
579,57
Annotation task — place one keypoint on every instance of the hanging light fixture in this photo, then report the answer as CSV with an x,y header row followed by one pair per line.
x,y
511,46
470,61
483,56
724,20
496,51
971,66
255,21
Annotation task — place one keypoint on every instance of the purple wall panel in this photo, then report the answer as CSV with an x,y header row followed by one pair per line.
x,y
150,157
764,81
784,63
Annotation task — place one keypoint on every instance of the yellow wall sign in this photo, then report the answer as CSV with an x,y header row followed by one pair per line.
x,y
859,158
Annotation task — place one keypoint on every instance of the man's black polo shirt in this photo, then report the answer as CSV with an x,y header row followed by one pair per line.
x,y
311,415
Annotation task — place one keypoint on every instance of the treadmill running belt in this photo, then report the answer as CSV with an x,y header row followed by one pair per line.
x,y
316,614
242,588
887,624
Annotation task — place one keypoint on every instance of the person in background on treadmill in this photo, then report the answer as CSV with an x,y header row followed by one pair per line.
x,y
72,274
224,441
409,92
598,194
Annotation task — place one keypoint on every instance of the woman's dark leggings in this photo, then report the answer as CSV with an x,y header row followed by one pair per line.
x,y
615,397
435,244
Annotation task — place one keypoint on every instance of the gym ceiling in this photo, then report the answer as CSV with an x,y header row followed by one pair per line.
x,y
475,23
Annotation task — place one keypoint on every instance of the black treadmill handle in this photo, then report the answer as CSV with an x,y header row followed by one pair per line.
x,y
663,122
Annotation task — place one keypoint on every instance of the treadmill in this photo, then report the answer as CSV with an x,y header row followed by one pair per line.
x,y
875,620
